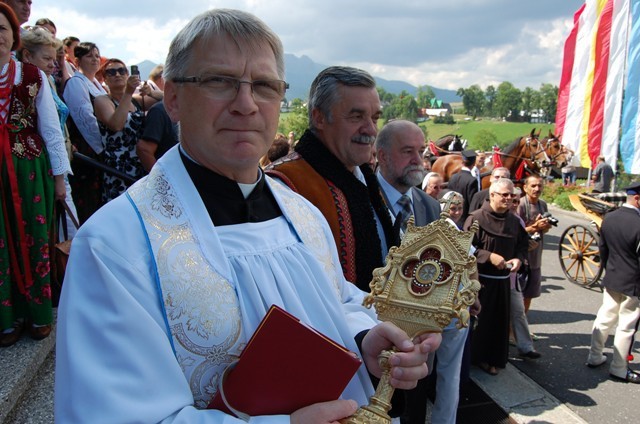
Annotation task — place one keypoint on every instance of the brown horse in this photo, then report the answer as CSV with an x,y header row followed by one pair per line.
x,y
522,157
557,154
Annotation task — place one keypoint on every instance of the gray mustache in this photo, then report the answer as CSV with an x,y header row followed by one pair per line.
x,y
364,139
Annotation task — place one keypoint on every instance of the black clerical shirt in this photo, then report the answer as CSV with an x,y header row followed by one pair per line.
x,y
224,200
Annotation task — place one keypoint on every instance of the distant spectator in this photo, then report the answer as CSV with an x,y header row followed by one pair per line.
x,y
22,9
477,167
120,120
38,47
482,196
278,149
518,315
602,176
70,44
156,88
158,136
426,160
432,184
80,91
47,24
455,207
464,182
569,170
292,139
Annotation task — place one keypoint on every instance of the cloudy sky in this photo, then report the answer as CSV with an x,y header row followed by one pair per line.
x,y
445,43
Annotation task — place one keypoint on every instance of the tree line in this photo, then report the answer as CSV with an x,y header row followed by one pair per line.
x,y
509,102
504,102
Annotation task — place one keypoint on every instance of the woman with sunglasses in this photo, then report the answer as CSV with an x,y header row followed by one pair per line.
x,y
33,162
120,119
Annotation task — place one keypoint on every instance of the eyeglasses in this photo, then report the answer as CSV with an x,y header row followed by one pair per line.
x,y
226,88
504,195
114,71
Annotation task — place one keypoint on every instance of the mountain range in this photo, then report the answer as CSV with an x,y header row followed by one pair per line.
x,y
302,70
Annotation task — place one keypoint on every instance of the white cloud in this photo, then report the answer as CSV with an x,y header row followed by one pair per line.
x,y
450,44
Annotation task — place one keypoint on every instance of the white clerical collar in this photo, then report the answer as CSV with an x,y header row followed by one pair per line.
x,y
246,189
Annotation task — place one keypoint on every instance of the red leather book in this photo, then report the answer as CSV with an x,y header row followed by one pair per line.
x,y
285,366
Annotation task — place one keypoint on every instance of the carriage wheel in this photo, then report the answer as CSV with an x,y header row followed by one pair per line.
x,y
579,255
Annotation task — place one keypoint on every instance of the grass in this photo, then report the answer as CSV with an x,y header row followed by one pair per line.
x,y
505,132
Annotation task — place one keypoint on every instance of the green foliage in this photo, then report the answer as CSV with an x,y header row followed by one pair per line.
x,y
472,99
508,101
549,101
557,194
424,96
485,139
296,121
447,120
403,106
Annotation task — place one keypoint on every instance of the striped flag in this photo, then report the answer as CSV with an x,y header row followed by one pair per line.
x,y
590,96
630,141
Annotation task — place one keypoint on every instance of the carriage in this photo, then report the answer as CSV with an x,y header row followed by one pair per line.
x,y
578,248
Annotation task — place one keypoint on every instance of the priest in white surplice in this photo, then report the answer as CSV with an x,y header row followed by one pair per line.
x,y
166,283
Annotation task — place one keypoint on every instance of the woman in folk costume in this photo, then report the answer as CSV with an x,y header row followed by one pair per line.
x,y
33,162
40,48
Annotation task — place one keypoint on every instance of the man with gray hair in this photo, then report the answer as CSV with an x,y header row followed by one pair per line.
x,y
482,196
502,245
329,167
400,146
211,244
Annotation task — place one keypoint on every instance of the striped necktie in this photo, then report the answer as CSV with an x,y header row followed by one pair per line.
x,y
405,212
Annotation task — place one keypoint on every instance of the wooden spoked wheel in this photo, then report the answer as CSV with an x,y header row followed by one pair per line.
x,y
579,255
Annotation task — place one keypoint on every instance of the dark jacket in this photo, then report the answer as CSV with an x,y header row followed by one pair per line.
x,y
620,251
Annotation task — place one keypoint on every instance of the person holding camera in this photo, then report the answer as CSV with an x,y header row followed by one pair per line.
x,y
534,212
120,119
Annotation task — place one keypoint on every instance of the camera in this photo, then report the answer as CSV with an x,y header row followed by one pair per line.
x,y
553,221
135,70
535,237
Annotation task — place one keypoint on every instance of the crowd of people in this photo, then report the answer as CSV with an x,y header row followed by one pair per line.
x,y
236,218
62,106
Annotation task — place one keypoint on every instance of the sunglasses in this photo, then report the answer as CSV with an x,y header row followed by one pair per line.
x,y
505,195
115,71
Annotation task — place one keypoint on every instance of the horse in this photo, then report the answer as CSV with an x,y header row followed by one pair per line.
x,y
524,155
556,152
451,143
445,145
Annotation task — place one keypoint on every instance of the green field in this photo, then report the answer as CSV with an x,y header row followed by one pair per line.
x,y
505,132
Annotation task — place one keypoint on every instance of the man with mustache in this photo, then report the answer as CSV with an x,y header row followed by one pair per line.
x,y
400,147
329,167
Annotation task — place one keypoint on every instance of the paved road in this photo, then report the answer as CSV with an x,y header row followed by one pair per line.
x,y
563,317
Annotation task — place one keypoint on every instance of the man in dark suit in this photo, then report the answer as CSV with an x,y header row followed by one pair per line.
x,y
464,182
620,255
399,146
